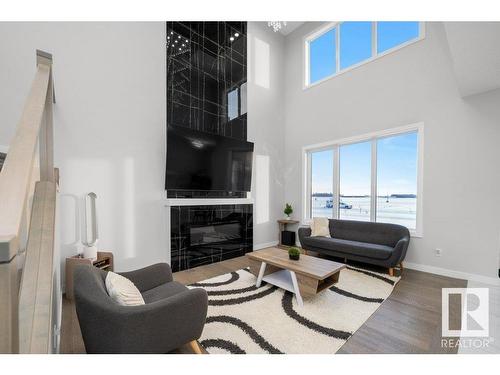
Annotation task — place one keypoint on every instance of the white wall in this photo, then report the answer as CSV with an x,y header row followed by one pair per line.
x,y
461,153
109,125
265,128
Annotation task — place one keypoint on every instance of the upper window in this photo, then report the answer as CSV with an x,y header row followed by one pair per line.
x,y
322,53
373,178
344,45
355,43
393,34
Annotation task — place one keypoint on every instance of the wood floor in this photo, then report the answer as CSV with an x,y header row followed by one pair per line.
x,y
409,321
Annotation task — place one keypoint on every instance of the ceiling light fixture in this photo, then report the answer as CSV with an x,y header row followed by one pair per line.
x,y
236,35
231,39
276,25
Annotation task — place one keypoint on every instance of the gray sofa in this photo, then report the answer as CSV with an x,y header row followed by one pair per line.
x,y
379,244
172,316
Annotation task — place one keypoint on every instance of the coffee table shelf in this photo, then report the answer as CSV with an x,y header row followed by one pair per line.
x,y
282,279
305,278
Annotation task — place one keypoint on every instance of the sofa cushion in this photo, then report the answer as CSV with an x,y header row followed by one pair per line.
x,y
320,227
122,290
163,291
363,249
368,232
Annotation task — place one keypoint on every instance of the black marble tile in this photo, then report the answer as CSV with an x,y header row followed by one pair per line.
x,y
238,74
204,63
203,66
211,31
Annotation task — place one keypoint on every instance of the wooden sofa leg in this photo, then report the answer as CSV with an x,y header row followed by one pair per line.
x,y
401,266
195,347
391,271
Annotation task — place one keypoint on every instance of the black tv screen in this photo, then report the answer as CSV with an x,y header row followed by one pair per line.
x,y
203,161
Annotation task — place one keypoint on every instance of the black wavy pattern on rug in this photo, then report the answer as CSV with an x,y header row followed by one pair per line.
x,y
231,291
286,303
236,301
385,279
251,332
234,276
345,293
231,347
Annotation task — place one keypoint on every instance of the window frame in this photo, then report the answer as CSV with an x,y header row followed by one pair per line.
x,y
373,138
331,25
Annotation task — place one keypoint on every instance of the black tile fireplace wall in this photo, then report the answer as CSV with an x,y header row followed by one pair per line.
x,y
206,91
206,83
207,234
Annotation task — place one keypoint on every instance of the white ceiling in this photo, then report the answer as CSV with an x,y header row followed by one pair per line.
x,y
475,51
290,26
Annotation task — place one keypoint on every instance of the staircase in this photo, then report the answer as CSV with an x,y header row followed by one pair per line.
x,y
28,190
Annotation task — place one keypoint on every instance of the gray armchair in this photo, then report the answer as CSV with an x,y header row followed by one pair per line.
x,y
172,316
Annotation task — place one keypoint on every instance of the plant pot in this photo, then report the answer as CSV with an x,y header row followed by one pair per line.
x,y
294,257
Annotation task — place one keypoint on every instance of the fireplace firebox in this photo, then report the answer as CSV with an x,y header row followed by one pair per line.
x,y
206,234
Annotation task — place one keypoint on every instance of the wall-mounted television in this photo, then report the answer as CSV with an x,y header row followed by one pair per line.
x,y
202,161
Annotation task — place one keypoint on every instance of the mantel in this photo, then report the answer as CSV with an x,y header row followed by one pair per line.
x,y
206,201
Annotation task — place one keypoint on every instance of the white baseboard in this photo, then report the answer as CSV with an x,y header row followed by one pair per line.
x,y
264,245
452,273
4,149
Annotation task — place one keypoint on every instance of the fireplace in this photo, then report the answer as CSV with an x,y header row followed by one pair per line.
x,y
207,234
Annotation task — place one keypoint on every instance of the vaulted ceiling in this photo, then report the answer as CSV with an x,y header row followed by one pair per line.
x,y
475,51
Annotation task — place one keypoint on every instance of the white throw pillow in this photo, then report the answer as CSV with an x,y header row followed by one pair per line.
x,y
320,227
122,290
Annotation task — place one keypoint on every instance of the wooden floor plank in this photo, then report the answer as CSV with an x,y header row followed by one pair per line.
x,y
409,321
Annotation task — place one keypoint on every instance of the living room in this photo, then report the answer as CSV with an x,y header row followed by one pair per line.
x,y
249,186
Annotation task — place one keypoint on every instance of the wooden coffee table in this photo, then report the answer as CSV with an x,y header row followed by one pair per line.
x,y
305,277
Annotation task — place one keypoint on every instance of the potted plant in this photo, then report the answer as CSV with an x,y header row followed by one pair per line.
x,y
288,210
294,253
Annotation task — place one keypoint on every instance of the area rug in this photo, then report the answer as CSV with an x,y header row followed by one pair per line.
x,y
243,319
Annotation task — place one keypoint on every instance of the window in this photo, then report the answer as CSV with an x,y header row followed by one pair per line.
x,y
354,180
355,43
321,187
243,95
232,104
369,178
237,102
341,46
322,56
397,180
392,34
